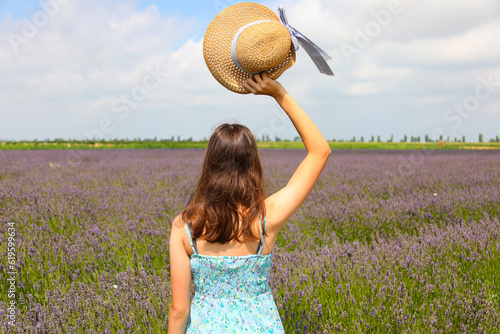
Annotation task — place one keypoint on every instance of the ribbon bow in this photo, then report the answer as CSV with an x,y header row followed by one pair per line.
x,y
318,56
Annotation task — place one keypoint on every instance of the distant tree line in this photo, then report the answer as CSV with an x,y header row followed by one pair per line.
x,y
417,139
265,138
115,140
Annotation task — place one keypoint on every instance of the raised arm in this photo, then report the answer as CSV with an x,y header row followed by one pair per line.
x,y
281,205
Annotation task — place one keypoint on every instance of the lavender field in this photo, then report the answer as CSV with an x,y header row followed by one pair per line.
x,y
384,243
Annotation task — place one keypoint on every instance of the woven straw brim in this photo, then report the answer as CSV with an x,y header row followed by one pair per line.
x,y
219,37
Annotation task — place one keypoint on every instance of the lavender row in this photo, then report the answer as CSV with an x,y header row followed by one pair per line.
x,y
446,280
92,250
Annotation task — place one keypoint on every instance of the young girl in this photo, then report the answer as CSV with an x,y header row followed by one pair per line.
x,y
224,238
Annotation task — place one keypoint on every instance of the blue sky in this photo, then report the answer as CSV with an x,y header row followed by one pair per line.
x,y
402,67
199,8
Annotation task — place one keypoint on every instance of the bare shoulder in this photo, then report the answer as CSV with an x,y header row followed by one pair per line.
x,y
178,222
177,230
178,235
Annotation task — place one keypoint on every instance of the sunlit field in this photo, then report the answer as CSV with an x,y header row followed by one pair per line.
x,y
387,242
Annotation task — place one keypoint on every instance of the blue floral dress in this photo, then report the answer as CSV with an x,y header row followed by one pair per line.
x,y
232,293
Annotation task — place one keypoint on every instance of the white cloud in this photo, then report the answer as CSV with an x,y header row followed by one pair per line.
x,y
477,46
423,58
82,57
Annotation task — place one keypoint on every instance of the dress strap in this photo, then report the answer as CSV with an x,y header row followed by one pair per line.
x,y
192,242
262,235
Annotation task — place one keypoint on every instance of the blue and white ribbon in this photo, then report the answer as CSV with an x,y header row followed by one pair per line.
x,y
318,56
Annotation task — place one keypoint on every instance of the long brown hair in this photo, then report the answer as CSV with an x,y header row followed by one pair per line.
x,y
230,188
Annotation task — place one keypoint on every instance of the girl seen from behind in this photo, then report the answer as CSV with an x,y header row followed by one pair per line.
x,y
223,241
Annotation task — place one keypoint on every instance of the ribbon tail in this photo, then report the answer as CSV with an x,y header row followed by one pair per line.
x,y
318,56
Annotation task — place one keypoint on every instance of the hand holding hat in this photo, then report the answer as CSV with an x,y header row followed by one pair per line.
x,y
248,38
260,84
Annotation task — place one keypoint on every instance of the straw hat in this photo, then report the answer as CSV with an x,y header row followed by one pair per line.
x,y
245,39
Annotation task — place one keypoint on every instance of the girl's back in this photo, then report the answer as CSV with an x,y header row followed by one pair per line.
x,y
233,247
232,291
